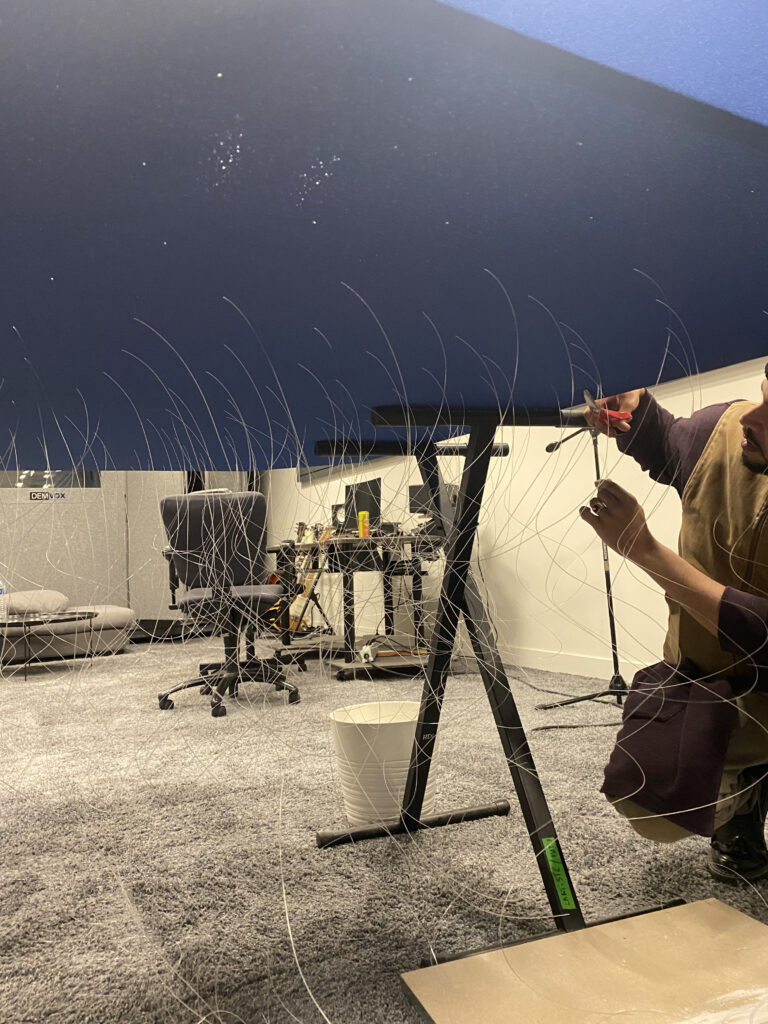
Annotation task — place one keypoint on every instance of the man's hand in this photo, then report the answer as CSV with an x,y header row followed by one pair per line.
x,y
625,402
618,519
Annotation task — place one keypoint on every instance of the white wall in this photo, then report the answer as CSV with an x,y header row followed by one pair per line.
x,y
541,566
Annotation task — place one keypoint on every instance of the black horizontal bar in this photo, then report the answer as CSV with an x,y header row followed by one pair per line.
x,y
499,451
398,828
447,416
363,449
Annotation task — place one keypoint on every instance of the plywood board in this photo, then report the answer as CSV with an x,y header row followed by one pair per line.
x,y
701,963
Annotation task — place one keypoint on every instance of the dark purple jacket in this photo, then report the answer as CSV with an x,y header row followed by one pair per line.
x,y
671,748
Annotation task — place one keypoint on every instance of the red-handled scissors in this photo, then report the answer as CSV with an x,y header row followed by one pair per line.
x,y
606,415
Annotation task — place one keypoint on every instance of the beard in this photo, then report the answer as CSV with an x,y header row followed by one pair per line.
x,y
754,460
756,464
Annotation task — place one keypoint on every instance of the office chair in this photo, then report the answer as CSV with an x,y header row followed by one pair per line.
x,y
216,553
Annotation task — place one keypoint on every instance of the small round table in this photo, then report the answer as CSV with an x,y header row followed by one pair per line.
x,y
28,620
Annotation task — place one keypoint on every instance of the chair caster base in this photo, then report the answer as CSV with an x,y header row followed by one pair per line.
x,y
218,710
293,697
165,703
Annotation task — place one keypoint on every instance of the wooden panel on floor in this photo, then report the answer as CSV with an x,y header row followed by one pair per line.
x,y
701,963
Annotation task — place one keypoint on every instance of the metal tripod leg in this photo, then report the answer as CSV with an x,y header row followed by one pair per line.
x,y
533,803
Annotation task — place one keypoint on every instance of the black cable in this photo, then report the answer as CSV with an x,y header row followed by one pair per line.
x,y
561,693
580,725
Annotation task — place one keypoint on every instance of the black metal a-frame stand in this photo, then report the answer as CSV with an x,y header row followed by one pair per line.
x,y
460,596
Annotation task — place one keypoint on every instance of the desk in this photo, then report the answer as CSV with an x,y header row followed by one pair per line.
x,y
391,555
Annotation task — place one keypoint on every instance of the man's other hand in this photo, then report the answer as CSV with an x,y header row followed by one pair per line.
x,y
618,519
625,402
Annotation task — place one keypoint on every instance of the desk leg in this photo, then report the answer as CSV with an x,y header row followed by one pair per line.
x,y
389,603
348,601
418,602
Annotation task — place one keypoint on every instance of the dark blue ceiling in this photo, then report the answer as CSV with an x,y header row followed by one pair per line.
x,y
304,200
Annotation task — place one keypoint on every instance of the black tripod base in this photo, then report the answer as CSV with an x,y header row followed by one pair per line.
x,y
616,688
398,827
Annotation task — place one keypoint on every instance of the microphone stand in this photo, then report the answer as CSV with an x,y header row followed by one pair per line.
x,y
617,687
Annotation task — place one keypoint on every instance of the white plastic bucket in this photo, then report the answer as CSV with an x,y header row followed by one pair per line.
x,y
373,744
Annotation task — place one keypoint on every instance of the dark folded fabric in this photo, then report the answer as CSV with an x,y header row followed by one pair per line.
x,y
743,631
670,751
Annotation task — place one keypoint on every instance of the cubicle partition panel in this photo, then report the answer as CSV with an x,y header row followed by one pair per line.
x,y
99,542
71,539
232,480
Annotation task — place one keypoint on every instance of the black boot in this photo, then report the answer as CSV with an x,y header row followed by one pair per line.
x,y
738,851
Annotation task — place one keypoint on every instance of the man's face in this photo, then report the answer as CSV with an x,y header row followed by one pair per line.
x,y
754,423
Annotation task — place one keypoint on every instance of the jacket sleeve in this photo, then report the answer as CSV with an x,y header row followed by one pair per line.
x,y
665,446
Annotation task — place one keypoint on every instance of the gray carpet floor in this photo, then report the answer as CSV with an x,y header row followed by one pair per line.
x,y
162,866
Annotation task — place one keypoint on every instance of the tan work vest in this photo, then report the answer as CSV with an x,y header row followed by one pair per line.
x,y
725,514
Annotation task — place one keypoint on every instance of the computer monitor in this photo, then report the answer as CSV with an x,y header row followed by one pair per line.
x,y
420,499
363,497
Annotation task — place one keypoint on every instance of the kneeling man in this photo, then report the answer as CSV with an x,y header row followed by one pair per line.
x,y
692,753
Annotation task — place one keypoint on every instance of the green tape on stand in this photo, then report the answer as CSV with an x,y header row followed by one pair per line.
x,y
557,870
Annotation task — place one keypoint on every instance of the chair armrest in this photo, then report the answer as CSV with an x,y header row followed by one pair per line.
x,y
173,577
